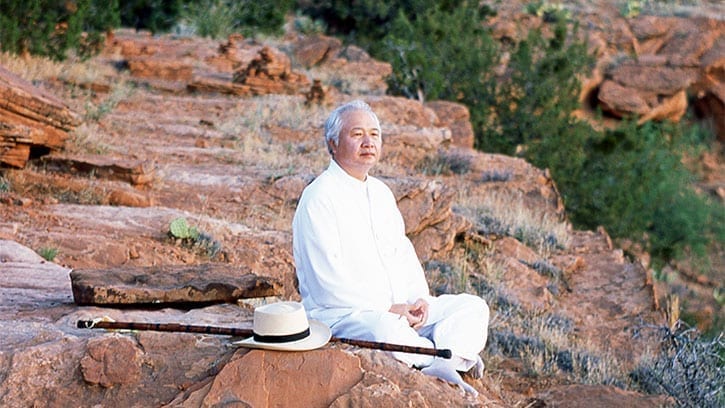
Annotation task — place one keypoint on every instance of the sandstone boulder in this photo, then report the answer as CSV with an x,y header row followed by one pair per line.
x,y
112,360
261,378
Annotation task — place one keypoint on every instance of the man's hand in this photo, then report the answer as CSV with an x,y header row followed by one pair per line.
x,y
416,314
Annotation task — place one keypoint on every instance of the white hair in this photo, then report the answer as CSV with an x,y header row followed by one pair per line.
x,y
333,124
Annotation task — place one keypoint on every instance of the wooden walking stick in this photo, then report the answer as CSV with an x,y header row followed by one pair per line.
x,y
231,331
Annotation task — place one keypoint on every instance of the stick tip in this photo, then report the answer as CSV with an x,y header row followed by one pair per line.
x,y
445,353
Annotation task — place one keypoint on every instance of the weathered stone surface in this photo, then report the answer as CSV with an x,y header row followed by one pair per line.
x,y
135,172
30,120
160,68
271,72
599,396
456,117
429,221
168,285
407,146
111,360
262,378
314,49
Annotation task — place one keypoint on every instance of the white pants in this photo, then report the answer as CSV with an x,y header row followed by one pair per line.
x,y
455,322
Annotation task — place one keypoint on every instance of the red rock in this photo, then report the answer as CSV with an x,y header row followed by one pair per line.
x,y
160,68
112,360
312,50
129,198
262,378
456,117
599,396
31,120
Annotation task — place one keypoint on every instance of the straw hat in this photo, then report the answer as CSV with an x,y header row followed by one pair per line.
x,y
284,326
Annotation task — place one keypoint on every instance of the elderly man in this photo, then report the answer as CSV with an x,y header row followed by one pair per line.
x,y
357,270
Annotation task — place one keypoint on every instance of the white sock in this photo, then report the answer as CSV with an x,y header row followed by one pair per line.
x,y
445,370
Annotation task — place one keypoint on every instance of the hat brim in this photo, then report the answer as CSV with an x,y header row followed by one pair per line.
x,y
319,336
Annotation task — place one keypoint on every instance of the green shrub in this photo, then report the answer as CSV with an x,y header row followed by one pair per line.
x,y
633,182
154,15
541,90
51,28
433,59
219,18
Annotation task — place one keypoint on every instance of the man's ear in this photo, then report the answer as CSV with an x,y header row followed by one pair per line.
x,y
331,147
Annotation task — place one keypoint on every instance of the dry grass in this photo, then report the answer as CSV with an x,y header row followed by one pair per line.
x,y
504,213
37,68
88,138
245,126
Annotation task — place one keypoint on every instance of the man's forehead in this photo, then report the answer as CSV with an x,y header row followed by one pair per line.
x,y
360,119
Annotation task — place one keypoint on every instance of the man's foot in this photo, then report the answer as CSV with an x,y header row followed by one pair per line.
x,y
445,371
477,370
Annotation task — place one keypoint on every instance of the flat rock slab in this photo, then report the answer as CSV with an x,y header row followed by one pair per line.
x,y
168,286
135,172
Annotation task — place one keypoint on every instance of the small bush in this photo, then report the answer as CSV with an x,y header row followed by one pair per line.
x,y
688,368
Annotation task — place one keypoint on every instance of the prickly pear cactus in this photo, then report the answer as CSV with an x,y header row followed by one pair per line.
x,y
179,228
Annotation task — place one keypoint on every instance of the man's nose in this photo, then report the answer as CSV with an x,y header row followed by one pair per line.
x,y
367,140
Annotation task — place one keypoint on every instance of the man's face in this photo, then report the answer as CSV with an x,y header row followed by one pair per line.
x,y
359,145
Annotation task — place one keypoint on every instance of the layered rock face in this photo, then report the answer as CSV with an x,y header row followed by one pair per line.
x,y
32,122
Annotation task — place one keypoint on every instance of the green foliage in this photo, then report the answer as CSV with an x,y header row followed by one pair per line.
x,y
541,92
632,181
154,15
192,237
306,25
219,18
366,22
51,28
48,253
631,8
179,228
550,12
428,52
688,368
4,185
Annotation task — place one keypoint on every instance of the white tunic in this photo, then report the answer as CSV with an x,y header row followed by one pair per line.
x,y
349,253
354,261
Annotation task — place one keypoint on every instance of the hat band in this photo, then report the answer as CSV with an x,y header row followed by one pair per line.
x,y
282,338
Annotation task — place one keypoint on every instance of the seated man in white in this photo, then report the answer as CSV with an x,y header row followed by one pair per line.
x,y
357,270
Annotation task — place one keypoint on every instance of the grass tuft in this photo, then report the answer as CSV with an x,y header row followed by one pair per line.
x,y
48,253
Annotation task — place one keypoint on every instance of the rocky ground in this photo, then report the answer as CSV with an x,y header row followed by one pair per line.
x,y
226,134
